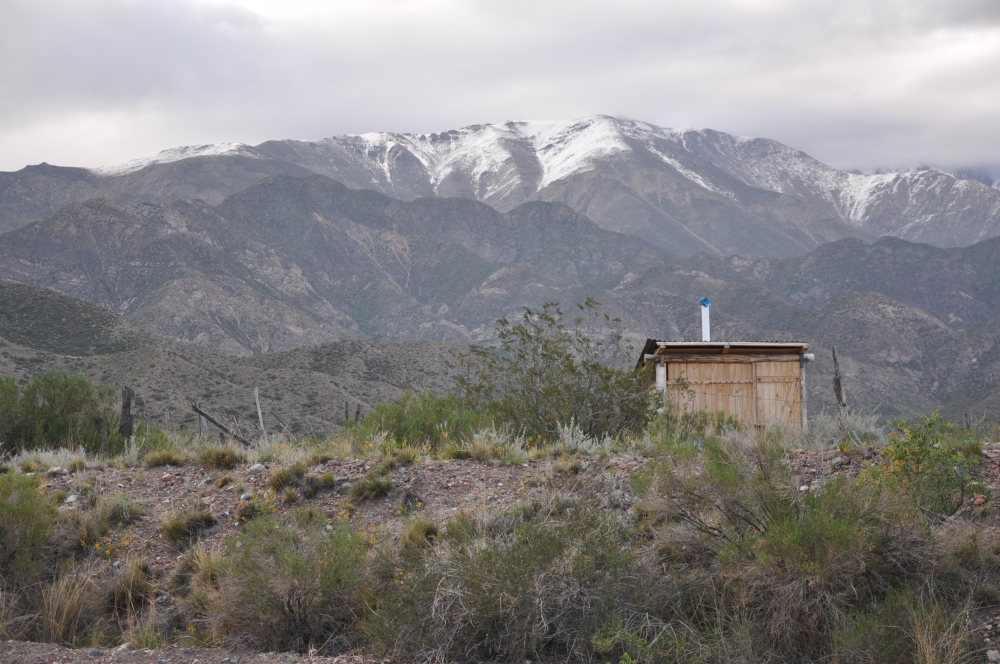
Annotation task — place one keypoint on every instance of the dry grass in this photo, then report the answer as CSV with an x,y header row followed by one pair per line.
x,y
164,457
220,457
69,609
375,484
286,476
418,531
186,525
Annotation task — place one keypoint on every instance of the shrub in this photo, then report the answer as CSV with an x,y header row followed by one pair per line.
x,y
794,564
545,373
291,586
539,583
220,457
421,421
26,521
256,506
928,459
58,409
186,525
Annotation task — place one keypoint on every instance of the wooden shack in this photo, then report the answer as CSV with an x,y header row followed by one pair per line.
x,y
761,383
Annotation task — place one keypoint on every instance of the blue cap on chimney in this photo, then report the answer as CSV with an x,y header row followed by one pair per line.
x,y
704,302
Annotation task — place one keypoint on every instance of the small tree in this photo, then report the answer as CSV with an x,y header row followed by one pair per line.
x,y
545,373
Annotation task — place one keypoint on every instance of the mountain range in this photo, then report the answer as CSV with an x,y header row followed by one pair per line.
x,y
357,266
686,191
294,263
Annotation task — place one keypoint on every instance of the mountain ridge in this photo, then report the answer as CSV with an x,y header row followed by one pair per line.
x,y
687,191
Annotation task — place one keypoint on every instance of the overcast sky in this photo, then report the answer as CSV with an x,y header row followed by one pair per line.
x,y
856,83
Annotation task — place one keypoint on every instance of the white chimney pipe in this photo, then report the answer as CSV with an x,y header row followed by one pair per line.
x,y
706,328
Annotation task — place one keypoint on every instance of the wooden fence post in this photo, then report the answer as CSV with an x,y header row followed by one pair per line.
x,y
126,426
838,385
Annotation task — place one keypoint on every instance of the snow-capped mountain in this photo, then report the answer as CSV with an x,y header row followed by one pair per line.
x,y
675,187
683,189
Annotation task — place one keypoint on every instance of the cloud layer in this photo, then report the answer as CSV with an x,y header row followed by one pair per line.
x,y
856,84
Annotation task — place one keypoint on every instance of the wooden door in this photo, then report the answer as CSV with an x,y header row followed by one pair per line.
x,y
779,393
726,387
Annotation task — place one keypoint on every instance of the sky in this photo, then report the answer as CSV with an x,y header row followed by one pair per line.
x,y
858,84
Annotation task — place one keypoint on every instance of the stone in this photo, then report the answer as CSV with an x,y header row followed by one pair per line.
x,y
71,499
246,496
256,468
57,470
838,462
346,487
94,654
993,655
116,564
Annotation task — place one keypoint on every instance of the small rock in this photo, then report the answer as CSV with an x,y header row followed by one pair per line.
x,y
345,487
123,647
167,477
246,496
329,527
71,499
57,471
980,499
256,468
993,655
838,462
94,654
116,564
804,487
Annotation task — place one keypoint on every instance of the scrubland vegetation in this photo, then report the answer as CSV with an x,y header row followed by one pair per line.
x,y
725,558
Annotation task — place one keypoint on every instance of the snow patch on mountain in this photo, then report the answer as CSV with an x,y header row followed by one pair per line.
x,y
177,154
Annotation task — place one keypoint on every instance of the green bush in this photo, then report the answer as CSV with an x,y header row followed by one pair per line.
x,y
58,409
803,576
421,421
26,520
546,373
930,460
538,583
291,586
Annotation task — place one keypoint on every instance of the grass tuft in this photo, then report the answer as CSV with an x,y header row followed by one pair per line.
x,y
220,457
184,526
286,477
164,457
418,531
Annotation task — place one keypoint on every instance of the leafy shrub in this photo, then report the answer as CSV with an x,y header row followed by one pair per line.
x,y
58,409
546,373
669,426
220,457
291,586
929,459
26,521
421,421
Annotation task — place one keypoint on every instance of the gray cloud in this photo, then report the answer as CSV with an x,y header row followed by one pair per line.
x,y
855,83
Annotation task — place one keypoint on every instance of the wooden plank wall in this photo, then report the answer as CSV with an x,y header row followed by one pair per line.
x,y
760,393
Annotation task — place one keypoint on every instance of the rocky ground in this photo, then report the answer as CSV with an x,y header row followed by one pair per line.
x,y
435,488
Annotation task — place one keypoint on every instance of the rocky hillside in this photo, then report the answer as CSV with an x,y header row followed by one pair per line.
x,y
684,190
303,389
